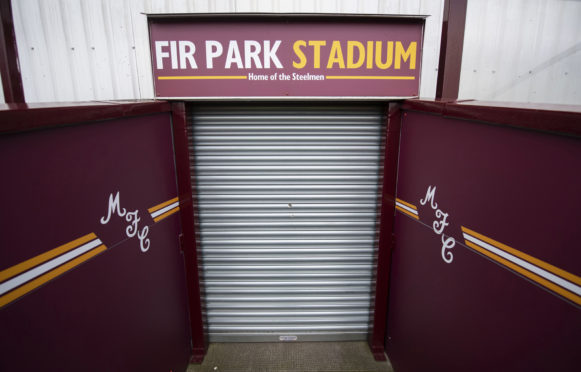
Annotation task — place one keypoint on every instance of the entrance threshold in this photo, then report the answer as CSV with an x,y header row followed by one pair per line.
x,y
290,357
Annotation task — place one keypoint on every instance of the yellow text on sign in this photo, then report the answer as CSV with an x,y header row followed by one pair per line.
x,y
355,54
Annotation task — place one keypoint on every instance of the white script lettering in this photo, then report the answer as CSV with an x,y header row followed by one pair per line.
x,y
439,224
131,217
114,207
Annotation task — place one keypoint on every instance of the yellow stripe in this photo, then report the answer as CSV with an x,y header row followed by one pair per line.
x,y
406,204
24,289
336,77
164,204
407,212
162,216
217,77
35,261
535,261
534,277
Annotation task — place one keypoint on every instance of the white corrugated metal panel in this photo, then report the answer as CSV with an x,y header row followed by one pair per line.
x,y
287,199
522,51
77,50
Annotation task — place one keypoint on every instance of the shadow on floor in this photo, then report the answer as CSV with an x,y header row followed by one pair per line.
x,y
290,357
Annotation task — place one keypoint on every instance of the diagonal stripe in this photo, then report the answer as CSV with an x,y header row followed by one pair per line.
x,y
528,266
21,291
415,216
47,266
413,211
23,266
534,277
164,209
547,266
406,203
165,203
166,214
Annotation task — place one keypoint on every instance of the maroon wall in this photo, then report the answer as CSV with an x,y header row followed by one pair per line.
x,y
124,308
519,190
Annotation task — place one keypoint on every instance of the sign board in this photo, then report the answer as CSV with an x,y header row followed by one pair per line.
x,y
280,57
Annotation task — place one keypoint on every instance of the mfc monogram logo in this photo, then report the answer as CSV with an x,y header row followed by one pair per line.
x,y
439,224
131,217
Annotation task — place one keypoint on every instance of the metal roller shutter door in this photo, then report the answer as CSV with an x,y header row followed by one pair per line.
x,y
287,199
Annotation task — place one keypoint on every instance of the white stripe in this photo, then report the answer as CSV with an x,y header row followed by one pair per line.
x,y
532,268
164,209
406,208
47,266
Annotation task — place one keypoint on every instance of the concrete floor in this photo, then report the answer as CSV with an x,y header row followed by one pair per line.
x,y
290,357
